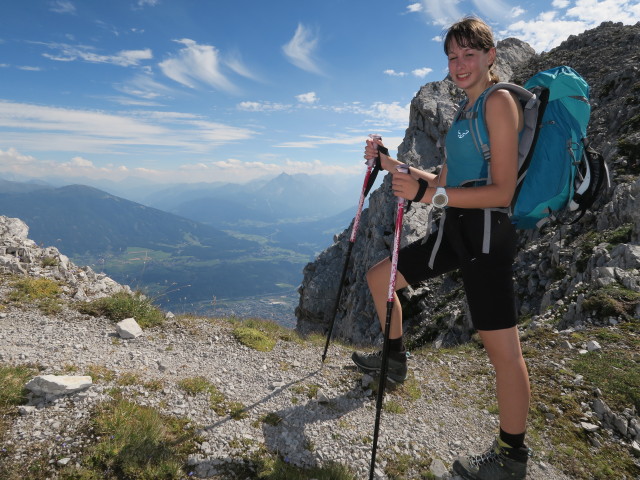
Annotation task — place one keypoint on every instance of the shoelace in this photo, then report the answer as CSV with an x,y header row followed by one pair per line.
x,y
490,456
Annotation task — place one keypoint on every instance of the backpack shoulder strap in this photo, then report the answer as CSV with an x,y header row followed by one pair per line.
x,y
530,101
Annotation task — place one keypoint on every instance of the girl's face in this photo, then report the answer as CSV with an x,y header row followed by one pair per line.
x,y
469,67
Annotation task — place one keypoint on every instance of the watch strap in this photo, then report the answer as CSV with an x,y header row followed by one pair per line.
x,y
422,188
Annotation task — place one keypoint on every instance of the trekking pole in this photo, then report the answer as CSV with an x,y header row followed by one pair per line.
x,y
387,327
373,167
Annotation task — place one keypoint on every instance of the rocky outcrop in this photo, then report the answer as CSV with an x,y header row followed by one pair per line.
x,y
21,255
561,266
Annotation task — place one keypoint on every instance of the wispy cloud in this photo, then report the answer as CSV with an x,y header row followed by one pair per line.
x,y
316,141
418,72
493,10
197,64
249,106
441,13
62,6
301,48
34,127
144,86
70,53
392,73
414,7
149,3
234,62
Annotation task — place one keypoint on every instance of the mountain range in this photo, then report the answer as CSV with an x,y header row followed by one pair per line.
x,y
209,241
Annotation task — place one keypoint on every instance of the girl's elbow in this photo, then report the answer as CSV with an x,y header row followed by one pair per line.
x,y
505,198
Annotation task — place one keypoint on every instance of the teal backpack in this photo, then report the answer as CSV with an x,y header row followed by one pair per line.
x,y
559,175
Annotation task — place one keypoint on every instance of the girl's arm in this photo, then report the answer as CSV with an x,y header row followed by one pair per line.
x,y
504,121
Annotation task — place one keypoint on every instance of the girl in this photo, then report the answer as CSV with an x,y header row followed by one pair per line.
x,y
460,243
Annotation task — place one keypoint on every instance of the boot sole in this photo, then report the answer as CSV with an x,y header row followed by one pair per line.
x,y
375,371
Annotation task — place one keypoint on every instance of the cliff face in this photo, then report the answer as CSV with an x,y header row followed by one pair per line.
x,y
560,267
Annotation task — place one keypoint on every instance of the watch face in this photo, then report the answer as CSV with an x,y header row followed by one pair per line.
x,y
440,199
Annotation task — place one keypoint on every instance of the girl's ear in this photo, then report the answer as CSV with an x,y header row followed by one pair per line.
x,y
492,56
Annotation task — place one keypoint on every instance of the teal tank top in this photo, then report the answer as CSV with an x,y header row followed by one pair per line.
x,y
464,160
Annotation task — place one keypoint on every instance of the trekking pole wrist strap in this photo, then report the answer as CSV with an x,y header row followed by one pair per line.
x,y
422,188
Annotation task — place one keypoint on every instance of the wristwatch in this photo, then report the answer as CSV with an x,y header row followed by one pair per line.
x,y
440,198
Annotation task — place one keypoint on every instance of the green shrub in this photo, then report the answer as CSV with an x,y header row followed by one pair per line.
x,y
123,305
612,300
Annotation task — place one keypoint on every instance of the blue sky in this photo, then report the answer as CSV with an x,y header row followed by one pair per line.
x,y
226,90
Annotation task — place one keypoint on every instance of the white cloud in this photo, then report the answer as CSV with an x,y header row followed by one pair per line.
x,y
517,12
300,50
150,3
550,28
29,69
62,6
124,58
392,73
545,31
196,64
13,157
81,162
389,114
14,162
596,11
414,7
421,72
308,98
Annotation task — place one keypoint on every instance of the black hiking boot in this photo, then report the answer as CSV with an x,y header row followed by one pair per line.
x,y
500,462
372,362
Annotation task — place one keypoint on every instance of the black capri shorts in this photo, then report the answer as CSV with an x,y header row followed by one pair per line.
x,y
487,278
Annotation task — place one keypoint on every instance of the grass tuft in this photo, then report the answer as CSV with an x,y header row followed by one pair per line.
x,y
217,400
136,442
254,338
